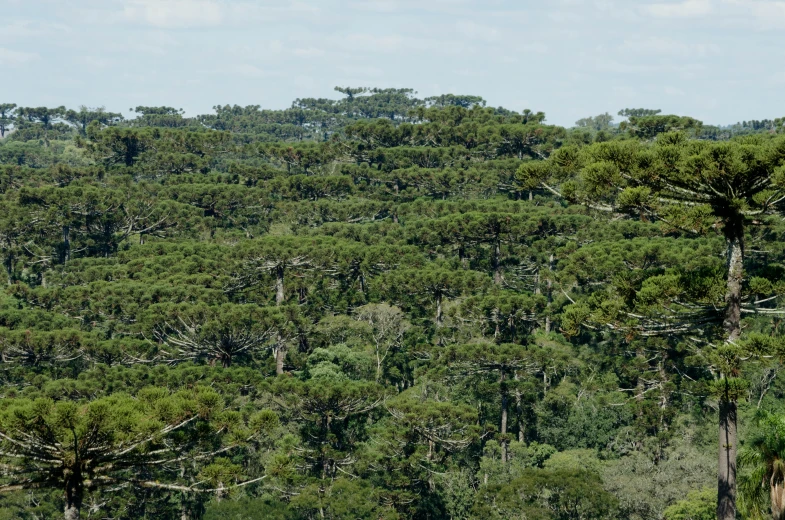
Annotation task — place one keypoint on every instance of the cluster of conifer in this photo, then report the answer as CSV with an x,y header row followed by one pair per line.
x,y
389,307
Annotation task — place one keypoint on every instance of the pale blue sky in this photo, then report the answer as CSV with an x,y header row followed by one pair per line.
x,y
718,60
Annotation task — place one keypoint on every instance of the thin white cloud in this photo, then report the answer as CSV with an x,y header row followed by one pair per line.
x,y
308,52
355,71
248,70
392,6
683,9
657,45
563,17
96,62
382,6
174,14
155,42
765,14
375,43
21,29
624,91
396,43
606,64
536,48
11,57
239,13
476,31
305,82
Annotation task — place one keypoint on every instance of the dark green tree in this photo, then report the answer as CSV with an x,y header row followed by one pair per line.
x,y
694,187
115,441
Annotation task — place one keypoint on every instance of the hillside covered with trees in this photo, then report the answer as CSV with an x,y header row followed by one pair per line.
x,y
390,307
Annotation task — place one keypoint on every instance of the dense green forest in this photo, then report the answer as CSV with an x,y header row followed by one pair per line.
x,y
389,307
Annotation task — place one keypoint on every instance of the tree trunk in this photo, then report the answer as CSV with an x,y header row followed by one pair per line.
x,y
9,267
726,478
71,512
640,386
519,411
726,496
279,294
505,407
74,493
777,493
732,321
378,362
497,270
66,244
549,290
280,357
439,317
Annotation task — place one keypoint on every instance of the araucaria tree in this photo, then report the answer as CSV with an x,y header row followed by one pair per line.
x,y
381,306
151,440
691,187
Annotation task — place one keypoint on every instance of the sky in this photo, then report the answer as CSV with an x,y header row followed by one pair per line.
x,y
720,61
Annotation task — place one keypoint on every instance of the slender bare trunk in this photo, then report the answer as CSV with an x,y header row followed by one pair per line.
x,y
777,494
664,396
279,294
378,362
66,244
280,348
9,267
497,269
726,478
462,257
71,512
640,387
549,291
439,316
732,321
505,410
74,493
280,356
519,410
726,497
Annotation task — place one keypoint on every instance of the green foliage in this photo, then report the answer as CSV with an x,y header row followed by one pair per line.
x,y
547,494
248,509
383,306
699,505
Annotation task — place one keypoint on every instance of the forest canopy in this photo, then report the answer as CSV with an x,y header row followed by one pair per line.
x,y
390,306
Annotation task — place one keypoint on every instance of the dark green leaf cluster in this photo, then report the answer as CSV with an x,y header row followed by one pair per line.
x,y
384,307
